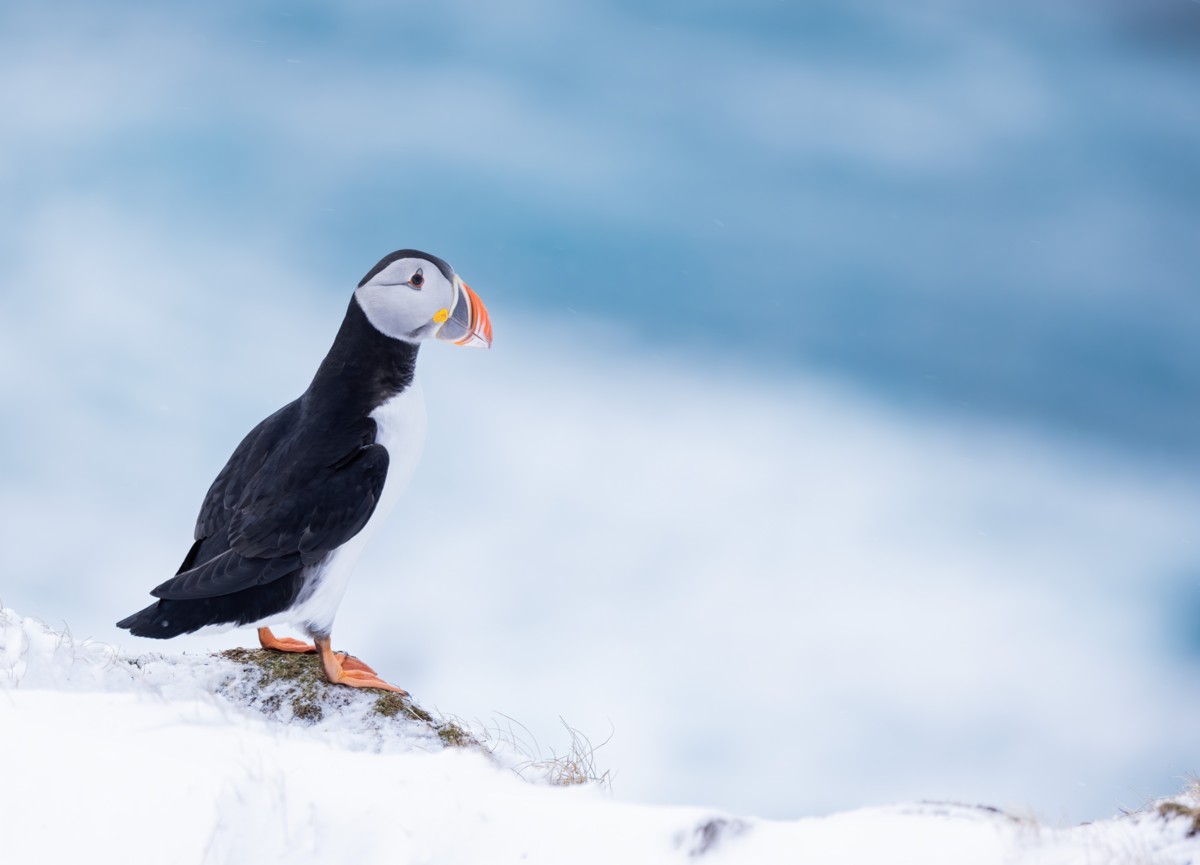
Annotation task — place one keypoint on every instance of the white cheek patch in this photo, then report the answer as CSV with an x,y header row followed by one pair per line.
x,y
386,309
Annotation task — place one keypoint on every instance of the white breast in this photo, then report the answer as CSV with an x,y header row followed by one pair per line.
x,y
400,427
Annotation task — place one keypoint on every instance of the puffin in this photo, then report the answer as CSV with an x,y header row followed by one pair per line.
x,y
287,517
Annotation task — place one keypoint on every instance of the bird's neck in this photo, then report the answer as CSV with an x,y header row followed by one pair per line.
x,y
363,370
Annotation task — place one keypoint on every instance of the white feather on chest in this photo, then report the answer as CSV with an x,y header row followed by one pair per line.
x,y
400,427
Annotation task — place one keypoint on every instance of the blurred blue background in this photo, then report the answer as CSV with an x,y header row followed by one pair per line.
x,y
925,271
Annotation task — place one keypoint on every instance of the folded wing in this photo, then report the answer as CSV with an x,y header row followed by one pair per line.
x,y
276,507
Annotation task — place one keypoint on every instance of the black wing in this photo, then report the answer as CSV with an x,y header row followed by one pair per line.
x,y
281,502
329,509
245,463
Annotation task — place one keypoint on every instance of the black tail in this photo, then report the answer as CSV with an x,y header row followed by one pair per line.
x,y
166,619
154,621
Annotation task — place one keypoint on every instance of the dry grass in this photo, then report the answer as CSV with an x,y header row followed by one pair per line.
x,y
573,767
1185,807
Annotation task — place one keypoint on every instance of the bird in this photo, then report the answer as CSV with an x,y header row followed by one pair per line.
x,y
284,521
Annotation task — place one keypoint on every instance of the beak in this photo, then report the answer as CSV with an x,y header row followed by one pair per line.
x,y
468,323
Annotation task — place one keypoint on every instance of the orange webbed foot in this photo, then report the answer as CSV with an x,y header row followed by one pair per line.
x,y
341,669
363,679
282,644
349,662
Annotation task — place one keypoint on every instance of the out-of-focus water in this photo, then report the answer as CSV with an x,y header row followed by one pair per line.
x,y
989,206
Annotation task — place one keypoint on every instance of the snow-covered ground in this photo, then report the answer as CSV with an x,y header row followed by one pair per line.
x,y
158,759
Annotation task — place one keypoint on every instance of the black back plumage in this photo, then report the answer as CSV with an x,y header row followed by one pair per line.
x,y
301,483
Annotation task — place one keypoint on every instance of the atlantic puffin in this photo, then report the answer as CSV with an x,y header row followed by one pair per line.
x,y
286,519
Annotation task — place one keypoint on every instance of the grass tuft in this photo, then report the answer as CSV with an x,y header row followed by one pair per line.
x,y
574,767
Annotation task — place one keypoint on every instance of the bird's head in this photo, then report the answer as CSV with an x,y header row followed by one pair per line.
x,y
413,296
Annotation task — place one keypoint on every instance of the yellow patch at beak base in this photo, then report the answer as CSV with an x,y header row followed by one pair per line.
x,y
441,315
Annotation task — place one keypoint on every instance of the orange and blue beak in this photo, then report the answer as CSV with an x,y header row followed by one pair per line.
x,y
468,323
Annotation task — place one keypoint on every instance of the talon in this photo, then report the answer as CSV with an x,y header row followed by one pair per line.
x,y
282,644
341,669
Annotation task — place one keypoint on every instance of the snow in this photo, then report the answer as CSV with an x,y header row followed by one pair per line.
x,y
156,759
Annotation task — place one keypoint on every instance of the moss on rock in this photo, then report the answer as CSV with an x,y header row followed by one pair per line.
x,y
298,681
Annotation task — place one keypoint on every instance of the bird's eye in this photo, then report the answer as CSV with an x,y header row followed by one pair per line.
x,y
417,280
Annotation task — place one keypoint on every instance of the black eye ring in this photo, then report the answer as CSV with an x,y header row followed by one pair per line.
x,y
417,280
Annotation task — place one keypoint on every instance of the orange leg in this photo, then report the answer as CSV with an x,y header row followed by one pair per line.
x,y
287,644
338,671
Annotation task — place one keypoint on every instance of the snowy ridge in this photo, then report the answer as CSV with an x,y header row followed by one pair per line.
x,y
35,657
163,759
